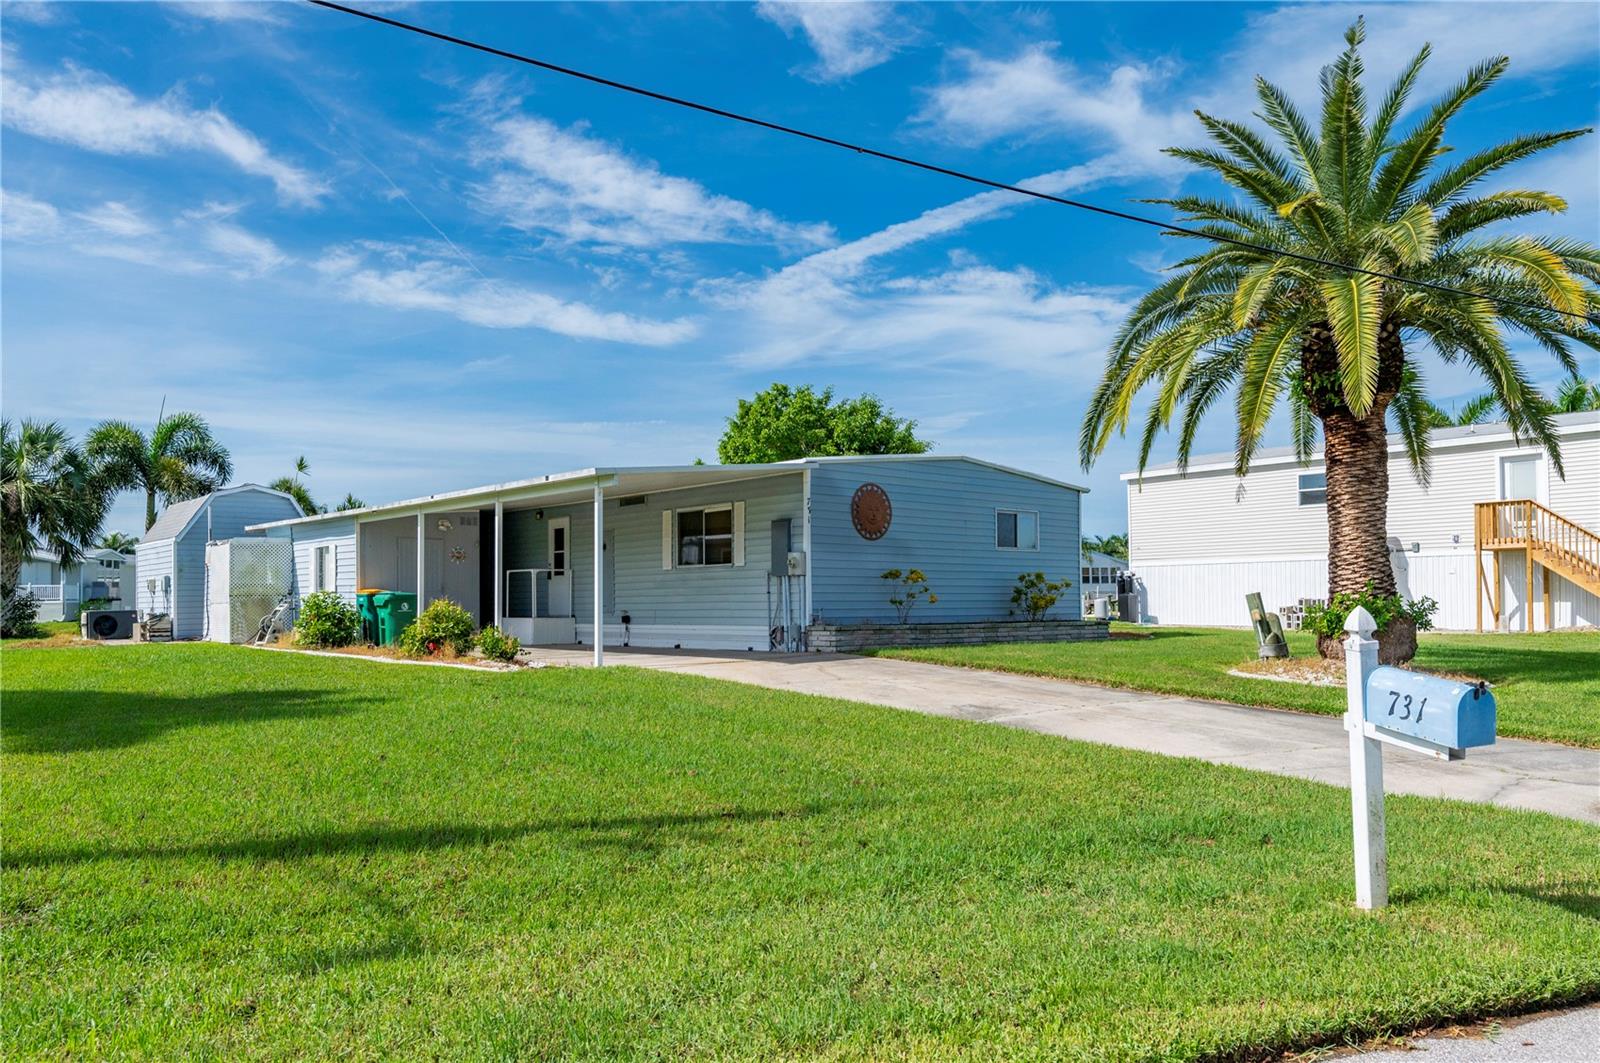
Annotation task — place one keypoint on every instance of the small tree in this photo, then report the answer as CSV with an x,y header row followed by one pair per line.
x,y
296,489
906,589
1035,595
52,497
118,541
179,459
784,423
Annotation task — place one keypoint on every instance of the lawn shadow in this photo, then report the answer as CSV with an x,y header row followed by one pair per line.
x,y
1579,898
630,834
1557,667
70,721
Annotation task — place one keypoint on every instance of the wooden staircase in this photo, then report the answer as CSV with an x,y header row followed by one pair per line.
x,y
1546,539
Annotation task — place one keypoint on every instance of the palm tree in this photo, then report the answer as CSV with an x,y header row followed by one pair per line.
x,y
350,502
179,459
120,542
1335,342
50,498
1575,395
295,489
1111,545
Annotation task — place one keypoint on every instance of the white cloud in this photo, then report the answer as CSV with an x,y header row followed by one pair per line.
x,y
404,280
1035,94
1289,45
260,12
254,255
848,37
577,189
91,111
23,217
34,12
118,219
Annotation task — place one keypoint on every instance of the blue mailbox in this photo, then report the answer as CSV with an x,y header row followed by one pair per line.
x,y
1446,712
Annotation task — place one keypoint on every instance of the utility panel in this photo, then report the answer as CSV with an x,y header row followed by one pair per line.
x,y
781,545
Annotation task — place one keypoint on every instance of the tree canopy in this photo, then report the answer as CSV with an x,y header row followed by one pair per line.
x,y
783,423
179,459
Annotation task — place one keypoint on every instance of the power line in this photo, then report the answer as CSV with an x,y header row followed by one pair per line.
x,y
903,160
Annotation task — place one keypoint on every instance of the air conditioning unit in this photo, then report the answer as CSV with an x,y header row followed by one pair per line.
x,y
796,563
106,624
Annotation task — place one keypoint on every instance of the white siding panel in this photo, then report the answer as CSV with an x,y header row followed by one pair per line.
x,y
1196,540
1204,593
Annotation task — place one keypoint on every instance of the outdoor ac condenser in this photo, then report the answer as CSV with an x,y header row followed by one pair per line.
x,y
106,624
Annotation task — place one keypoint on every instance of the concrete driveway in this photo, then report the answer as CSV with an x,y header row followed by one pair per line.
x,y
1513,772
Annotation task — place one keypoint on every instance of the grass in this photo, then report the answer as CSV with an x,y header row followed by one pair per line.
x,y
55,633
214,852
1546,686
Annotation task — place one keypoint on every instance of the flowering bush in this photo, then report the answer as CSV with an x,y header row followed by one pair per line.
x,y
443,625
1035,595
906,590
326,620
497,645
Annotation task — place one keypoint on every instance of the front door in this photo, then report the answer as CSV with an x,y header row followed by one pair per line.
x,y
1519,477
560,566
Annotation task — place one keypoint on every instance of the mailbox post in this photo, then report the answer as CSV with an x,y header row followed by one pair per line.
x,y
1425,714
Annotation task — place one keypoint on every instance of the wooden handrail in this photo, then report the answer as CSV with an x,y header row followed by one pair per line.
x,y
1524,523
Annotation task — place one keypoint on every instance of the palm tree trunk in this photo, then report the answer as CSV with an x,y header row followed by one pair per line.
x,y
149,507
1356,459
1356,451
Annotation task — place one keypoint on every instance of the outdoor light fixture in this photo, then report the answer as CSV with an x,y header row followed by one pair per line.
x,y
444,524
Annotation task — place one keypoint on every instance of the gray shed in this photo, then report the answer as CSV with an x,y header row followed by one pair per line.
x,y
172,554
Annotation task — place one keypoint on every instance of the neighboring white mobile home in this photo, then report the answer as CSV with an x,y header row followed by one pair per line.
x,y
104,575
1201,541
172,554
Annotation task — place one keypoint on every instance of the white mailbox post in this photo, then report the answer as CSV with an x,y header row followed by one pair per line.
x,y
1425,714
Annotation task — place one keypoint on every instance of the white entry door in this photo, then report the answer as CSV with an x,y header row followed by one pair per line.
x,y
1519,477
560,566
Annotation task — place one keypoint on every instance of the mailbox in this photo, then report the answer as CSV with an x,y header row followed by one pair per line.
x,y
1446,712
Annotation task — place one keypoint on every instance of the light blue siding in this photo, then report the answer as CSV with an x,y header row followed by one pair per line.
x,y
339,534
943,523
223,515
720,606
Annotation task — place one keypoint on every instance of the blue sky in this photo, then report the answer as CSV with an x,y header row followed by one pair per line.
x,y
424,268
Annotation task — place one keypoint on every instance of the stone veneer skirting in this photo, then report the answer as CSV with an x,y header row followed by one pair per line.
x,y
843,638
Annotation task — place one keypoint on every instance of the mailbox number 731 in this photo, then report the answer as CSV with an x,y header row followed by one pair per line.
x,y
1402,703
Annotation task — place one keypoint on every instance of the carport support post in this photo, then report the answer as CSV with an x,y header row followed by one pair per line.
x,y
599,595
422,563
499,561
1366,764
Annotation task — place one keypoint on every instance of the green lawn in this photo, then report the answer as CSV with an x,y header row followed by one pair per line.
x,y
1546,686
218,852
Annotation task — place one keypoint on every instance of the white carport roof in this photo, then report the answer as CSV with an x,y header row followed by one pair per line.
x,y
620,481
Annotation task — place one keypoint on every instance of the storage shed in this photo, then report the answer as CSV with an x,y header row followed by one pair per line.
x,y
172,554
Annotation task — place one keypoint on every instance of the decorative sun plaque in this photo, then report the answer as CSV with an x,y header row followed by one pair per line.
x,y
870,511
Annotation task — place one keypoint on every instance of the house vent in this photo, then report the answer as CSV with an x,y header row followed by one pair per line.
x,y
636,500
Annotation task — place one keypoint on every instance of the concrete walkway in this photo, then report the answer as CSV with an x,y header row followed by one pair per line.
x,y
1569,1037
1513,772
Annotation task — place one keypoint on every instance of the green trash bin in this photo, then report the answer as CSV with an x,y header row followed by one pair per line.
x,y
369,616
396,610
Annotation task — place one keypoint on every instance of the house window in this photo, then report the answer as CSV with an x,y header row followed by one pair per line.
x,y
1016,529
705,536
325,574
1313,489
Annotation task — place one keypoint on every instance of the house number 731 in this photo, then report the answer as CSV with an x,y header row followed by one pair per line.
x,y
1402,702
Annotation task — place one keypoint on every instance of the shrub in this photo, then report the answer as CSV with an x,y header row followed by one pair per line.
x,y
19,616
442,625
497,645
906,590
1327,620
1034,595
326,620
